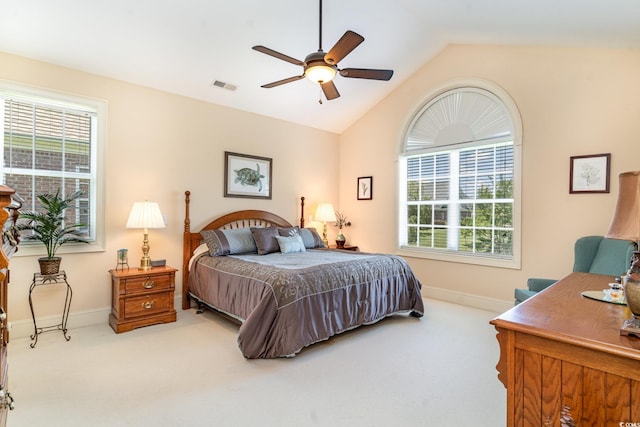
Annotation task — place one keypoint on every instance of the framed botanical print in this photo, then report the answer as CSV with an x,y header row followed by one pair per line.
x,y
365,188
590,173
247,176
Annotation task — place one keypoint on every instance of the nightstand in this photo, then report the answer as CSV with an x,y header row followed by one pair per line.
x,y
346,248
141,297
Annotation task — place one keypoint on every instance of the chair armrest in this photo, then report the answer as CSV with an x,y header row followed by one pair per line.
x,y
536,285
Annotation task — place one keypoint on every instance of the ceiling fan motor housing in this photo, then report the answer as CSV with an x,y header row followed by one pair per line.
x,y
317,69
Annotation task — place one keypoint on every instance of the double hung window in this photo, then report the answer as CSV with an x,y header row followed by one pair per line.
x,y
52,145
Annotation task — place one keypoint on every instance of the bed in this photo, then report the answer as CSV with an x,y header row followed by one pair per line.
x,y
292,297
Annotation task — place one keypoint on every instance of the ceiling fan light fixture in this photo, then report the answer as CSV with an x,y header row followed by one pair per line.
x,y
320,73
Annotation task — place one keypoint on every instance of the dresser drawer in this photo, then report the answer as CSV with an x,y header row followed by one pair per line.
x,y
148,305
149,283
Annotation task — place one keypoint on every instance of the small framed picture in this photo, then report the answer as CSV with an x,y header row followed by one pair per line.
x,y
247,176
365,188
590,174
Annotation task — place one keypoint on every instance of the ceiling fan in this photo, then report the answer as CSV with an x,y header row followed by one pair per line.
x,y
321,67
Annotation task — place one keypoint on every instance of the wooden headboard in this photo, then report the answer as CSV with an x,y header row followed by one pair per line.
x,y
239,219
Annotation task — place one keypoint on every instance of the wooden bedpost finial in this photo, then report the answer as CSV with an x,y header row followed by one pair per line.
x,y
302,212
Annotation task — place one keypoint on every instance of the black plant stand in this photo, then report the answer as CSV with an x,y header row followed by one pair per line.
x,y
50,279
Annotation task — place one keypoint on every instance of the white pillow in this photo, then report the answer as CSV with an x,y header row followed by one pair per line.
x,y
200,249
197,251
290,244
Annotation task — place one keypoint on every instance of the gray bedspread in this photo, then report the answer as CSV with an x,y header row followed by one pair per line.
x,y
289,301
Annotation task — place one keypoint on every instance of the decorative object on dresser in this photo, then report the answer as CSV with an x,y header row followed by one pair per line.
x,y
50,227
626,226
9,212
325,213
145,215
142,298
247,176
256,268
365,188
123,259
341,221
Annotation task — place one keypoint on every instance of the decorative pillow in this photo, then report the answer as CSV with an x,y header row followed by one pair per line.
x,y
310,236
289,231
265,239
290,244
229,242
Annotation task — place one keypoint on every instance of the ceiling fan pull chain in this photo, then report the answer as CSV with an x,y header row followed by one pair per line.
x,y
320,96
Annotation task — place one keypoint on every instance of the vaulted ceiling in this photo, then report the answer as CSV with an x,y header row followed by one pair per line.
x,y
184,46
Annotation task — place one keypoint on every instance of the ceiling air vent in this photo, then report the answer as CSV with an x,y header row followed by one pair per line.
x,y
224,85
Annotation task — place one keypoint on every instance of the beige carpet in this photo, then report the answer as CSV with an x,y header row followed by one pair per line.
x,y
435,371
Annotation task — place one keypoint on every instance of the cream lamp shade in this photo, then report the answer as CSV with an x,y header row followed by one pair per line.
x,y
325,213
145,215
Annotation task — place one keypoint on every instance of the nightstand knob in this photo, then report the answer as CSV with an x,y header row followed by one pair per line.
x,y
147,305
148,284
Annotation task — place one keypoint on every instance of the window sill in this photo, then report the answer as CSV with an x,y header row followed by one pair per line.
x,y
486,261
38,250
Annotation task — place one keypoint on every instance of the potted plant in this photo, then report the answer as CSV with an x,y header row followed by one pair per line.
x,y
49,227
341,221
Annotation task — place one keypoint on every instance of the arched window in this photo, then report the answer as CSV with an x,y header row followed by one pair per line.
x,y
460,177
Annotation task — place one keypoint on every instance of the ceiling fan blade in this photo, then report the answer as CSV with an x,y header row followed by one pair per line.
x,y
278,55
330,90
343,47
283,81
366,73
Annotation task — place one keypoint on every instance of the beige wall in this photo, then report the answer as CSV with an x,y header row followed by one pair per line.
x,y
158,146
571,101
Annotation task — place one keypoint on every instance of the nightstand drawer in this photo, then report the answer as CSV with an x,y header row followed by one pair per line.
x,y
149,283
148,305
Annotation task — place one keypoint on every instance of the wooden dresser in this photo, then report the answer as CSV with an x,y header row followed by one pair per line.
x,y
560,349
142,297
8,215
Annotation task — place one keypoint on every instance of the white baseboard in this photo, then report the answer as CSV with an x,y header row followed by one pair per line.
x,y
24,328
470,300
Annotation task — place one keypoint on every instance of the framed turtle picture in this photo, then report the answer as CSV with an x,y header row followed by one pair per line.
x,y
247,176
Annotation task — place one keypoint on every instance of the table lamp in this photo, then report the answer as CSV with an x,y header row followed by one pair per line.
x,y
626,226
145,215
325,213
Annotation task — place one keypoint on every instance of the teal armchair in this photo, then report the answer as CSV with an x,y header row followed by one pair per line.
x,y
592,254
